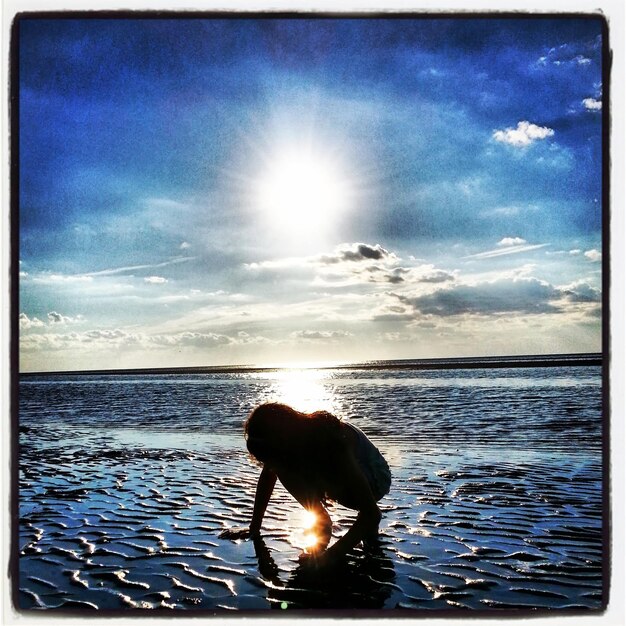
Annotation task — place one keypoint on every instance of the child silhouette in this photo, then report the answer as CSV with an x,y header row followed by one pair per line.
x,y
317,458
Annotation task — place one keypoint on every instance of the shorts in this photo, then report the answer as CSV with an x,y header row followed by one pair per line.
x,y
372,463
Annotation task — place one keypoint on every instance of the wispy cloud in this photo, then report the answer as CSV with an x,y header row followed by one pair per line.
x,y
509,211
132,268
88,277
508,248
578,54
165,203
46,277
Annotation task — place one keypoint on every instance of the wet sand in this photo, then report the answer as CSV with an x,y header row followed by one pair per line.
x,y
115,523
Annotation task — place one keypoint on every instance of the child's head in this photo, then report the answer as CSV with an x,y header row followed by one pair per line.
x,y
276,433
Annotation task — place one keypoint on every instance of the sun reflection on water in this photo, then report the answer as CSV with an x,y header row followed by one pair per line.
x,y
305,390
310,541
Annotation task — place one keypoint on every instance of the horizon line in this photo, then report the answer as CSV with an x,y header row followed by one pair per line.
x,y
472,362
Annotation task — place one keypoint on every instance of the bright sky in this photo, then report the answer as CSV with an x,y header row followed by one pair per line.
x,y
207,192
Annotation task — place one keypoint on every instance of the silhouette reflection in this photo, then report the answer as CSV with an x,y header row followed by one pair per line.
x,y
362,579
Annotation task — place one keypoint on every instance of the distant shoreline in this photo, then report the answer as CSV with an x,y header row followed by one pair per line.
x,y
554,360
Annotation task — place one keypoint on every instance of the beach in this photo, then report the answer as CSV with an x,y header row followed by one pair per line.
x,y
496,504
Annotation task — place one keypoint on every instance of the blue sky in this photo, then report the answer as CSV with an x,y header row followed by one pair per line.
x,y
227,191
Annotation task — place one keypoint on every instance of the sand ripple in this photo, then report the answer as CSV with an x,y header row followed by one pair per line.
x,y
493,506
457,533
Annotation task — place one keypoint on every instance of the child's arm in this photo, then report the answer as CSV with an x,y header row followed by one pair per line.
x,y
264,490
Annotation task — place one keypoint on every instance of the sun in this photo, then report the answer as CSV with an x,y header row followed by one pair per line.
x,y
302,192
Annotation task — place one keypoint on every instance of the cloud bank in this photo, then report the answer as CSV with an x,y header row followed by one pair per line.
x,y
526,296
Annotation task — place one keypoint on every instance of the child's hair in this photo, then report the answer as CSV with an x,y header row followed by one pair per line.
x,y
275,431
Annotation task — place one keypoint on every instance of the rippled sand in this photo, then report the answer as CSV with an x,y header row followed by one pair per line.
x,y
118,523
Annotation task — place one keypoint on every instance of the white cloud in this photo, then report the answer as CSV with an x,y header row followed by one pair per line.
x,y
185,245
354,264
361,263
243,338
155,280
54,319
425,273
571,55
57,318
512,241
190,339
594,255
26,323
591,104
575,252
60,278
317,335
581,291
108,338
525,134
277,264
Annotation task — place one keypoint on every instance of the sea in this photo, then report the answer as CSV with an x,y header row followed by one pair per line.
x,y
498,499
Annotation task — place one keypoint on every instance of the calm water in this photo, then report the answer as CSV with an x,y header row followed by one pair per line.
x,y
535,408
497,483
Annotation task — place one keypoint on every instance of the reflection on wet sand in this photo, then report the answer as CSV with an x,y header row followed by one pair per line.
x,y
308,535
496,500
363,579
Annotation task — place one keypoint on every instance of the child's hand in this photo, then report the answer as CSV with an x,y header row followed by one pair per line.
x,y
316,561
235,533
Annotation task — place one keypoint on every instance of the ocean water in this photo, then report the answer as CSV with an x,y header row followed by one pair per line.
x,y
127,480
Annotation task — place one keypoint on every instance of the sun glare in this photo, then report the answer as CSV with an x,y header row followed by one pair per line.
x,y
304,390
303,535
302,192
308,519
